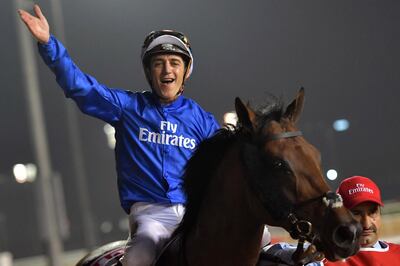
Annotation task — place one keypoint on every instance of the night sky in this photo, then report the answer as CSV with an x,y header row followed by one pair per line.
x,y
345,54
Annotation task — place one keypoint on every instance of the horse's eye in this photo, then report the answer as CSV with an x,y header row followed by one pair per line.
x,y
280,165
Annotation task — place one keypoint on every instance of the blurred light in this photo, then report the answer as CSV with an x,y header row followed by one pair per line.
x,y
110,133
331,174
230,118
123,224
25,172
106,227
341,125
6,258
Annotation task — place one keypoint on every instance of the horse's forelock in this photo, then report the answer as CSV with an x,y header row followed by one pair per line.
x,y
271,112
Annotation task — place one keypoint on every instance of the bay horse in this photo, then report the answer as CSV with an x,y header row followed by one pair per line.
x,y
261,172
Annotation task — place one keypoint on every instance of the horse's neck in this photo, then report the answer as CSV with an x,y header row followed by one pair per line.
x,y
227,230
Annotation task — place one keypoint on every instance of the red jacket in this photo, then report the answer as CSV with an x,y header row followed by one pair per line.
x,y
389,254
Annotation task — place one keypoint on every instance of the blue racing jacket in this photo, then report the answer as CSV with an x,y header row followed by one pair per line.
x,y
153,141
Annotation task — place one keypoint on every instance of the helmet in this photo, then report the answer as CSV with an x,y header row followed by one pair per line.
x,y
166,42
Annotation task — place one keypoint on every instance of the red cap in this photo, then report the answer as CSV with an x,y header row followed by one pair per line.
x,y
358,189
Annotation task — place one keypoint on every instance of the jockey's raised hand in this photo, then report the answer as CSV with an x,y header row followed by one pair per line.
x,y
37,25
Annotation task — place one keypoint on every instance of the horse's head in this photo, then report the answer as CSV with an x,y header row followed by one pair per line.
x,y
284,170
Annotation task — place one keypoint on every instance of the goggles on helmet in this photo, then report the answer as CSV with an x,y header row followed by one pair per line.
x,y
155,34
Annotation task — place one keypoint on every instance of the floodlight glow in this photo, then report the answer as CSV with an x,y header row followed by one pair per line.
x,y
20,174
331,174
230,118
110,134
341,125
106,227
123,224
31,171
24,172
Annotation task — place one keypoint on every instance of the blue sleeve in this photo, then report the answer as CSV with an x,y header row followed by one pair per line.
x,y
92,98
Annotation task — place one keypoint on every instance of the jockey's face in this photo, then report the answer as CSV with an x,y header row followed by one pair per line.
x,y
369,216
167,75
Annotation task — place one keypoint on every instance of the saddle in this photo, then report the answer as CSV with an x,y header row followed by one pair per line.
x,y
107,255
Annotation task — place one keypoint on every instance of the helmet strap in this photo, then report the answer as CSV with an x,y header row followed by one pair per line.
x,y
182,89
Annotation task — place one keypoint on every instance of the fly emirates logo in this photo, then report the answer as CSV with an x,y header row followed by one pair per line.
x,y
167,136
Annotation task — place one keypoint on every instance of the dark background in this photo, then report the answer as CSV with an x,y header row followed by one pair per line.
x,y
344,52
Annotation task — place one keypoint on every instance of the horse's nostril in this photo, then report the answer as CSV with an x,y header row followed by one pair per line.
x,y
345,236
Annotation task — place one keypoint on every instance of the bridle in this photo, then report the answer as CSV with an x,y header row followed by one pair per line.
x,y
302,229
299,229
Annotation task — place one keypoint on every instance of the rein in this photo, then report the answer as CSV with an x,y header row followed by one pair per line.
x,y
300,229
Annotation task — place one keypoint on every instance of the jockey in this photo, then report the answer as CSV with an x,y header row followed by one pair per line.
x,y
156,131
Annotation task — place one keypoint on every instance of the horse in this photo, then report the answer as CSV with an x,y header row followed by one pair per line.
x,y
262,171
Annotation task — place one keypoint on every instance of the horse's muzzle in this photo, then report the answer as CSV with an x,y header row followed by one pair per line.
x,y
346,240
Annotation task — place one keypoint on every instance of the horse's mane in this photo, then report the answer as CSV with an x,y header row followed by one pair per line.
x,y
209,154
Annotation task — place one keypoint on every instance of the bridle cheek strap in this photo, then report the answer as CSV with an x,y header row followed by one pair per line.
x,y
302,229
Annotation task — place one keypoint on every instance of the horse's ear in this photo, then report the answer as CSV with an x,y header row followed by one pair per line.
x,y
245,114
294,109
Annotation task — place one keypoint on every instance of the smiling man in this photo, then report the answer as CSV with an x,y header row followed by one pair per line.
x,y
157,131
